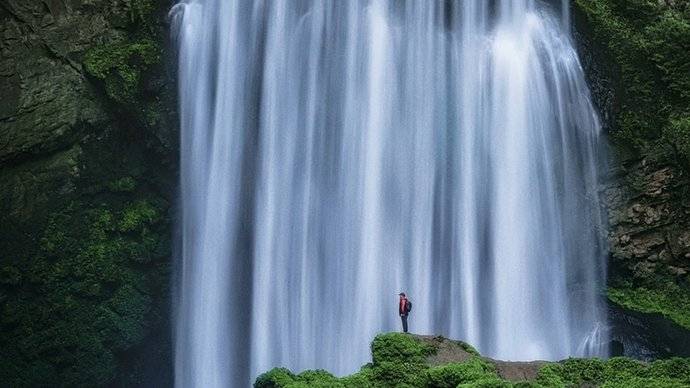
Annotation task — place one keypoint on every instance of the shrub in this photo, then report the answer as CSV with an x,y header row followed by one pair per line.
x,y
494,382
275,378
674,368
641,382
450,375
399,374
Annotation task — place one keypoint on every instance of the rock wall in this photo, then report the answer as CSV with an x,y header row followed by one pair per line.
x,y
636,54
649,219
87,161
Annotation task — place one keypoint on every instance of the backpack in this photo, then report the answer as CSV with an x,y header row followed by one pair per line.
x,y
408,306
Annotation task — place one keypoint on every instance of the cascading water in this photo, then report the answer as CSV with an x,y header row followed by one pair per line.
x,y
336,152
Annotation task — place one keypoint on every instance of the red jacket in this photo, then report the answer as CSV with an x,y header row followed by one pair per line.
x,y
402,307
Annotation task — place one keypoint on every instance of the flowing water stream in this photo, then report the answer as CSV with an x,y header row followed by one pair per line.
x,y
334,153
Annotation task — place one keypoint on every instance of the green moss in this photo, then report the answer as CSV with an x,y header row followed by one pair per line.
x,y
678,133
399,347
625,46
120,66
645,47
399,374
137,216
641,382
450,375
469,348
362,379
318,378
401,362
72,309
648,46
125,184
669,300
617,372
283,378
275,378
136,10
647,43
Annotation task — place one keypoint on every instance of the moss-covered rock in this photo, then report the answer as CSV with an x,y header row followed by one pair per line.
x,y
85,179
402,360
120,66
667,299
79,285
647,45
399,347
644,47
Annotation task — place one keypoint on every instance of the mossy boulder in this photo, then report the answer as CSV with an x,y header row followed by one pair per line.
x,y
399,348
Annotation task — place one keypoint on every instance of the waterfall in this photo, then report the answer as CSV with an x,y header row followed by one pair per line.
x,y
334,153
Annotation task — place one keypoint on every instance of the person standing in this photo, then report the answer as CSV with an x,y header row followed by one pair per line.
x,y
404,308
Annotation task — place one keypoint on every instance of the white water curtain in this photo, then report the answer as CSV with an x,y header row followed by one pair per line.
x,y
334,153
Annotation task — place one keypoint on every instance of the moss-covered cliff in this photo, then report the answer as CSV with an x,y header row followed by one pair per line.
x,y
643,50
86,181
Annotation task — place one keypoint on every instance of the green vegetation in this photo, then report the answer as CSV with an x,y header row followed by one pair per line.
x,y
134,10
82,299
669,300
473,371
399,360
84,283
397,348
617,372
125,184
130,67
648,44
120,66
84,258
645,45
85,242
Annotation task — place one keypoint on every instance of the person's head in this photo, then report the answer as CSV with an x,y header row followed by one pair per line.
x,y
402,295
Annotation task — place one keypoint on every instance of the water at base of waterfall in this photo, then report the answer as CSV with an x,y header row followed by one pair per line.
x,y
334,153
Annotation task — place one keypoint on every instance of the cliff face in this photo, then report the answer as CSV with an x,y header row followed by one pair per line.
x,y
637,54
86,178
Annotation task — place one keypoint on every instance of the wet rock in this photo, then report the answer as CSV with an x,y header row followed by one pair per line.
x,y
649,229
46,99
646,336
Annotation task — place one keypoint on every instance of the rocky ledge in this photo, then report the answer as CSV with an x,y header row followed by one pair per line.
x,y
404,360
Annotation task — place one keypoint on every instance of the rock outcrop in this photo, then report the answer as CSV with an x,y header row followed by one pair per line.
x,y
403,360
649,217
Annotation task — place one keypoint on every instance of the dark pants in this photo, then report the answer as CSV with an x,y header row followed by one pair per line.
x,y
404,322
